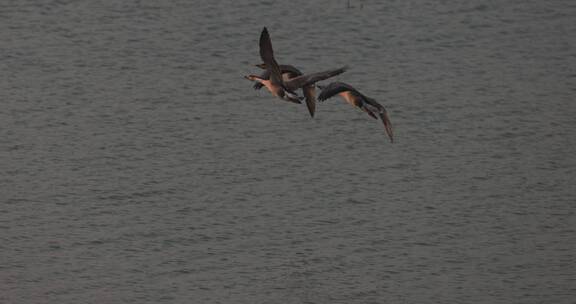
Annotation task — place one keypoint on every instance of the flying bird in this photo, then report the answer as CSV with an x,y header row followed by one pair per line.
x,y
289,72
355,98
272,78
274,84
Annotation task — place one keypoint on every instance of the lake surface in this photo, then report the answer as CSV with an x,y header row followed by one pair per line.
x,y
138,166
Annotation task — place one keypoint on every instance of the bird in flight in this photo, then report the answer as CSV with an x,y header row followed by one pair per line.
x,y
283,81
288,72
272,77
357,99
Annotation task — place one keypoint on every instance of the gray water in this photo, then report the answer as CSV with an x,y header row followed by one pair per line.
x,y
138,166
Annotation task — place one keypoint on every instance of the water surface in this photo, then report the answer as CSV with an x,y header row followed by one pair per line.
x,y
138,166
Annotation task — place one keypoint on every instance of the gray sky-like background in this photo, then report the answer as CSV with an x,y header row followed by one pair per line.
x,y
138,166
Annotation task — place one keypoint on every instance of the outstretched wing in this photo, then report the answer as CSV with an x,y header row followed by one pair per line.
x,y
387,125
376,107
267,55
291,70
309,79
257,85
309,94
334,88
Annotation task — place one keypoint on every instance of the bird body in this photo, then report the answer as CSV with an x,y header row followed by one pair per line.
x,y
293,79
289,72
275,83
283,80
357,99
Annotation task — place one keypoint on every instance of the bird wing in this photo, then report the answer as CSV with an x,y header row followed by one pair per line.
x,y
383,115
387,125
257,85
291,70
267,55
334,88
309,94
284,69
264,75
304,80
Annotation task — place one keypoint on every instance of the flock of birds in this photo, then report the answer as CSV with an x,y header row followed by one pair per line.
x,y
283,80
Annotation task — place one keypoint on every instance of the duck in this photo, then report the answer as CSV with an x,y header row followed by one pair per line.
x,y
275,83
284,89
289,72
357,99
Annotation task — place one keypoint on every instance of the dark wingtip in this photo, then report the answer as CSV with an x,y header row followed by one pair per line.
x,y
264,34
311,107
312,112
387,126
320,96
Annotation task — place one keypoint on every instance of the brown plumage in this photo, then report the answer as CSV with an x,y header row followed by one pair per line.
x,y
284,88
357,99
275,83
289,72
